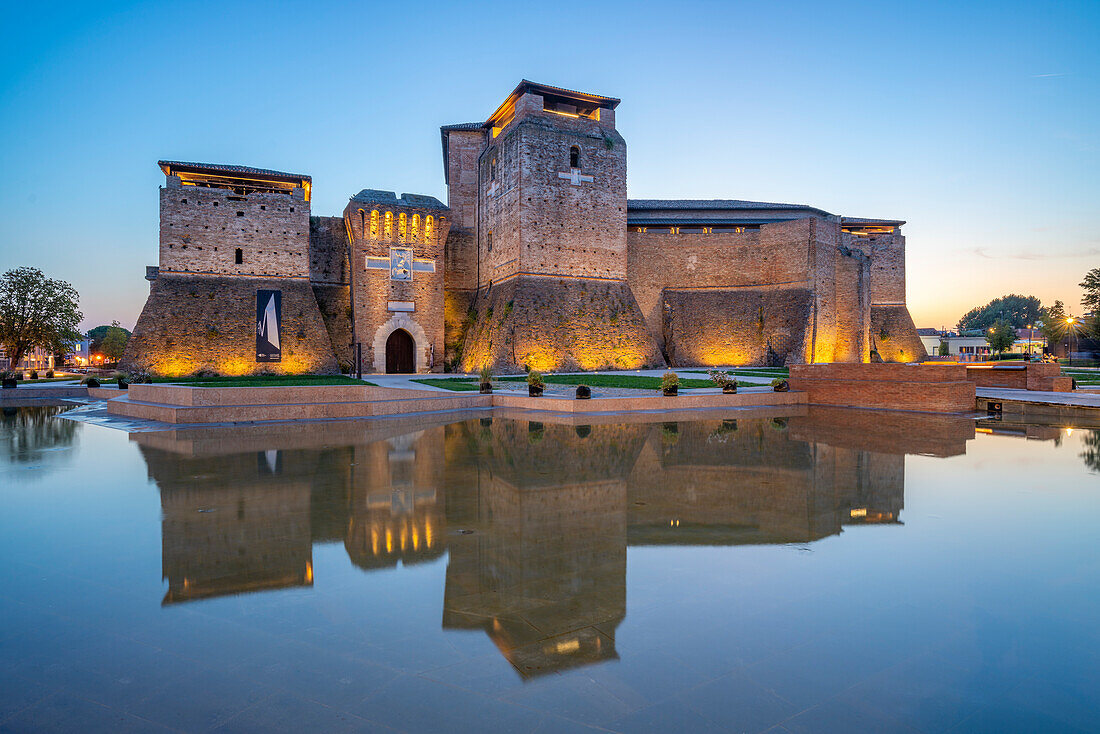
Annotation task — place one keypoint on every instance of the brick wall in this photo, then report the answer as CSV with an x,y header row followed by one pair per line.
x,y
894,336
558,324
933,388
202,228
206,322
719,326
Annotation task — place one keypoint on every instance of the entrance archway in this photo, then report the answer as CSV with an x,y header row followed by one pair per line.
x,y
400,349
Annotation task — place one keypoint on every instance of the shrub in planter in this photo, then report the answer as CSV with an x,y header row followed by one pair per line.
x,y
140,378
485,380
49,374
723,380
34,375
535,383
780,385
583,392
123,383
90,381
670,383
9,380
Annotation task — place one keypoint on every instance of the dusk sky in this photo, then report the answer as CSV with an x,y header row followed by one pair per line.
x,y
977,123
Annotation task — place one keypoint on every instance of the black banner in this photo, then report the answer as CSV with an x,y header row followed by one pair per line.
x,y
269,315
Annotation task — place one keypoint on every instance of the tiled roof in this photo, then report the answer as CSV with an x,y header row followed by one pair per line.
x,y
864,220
462,126
230,170
389,198
711,204
637,221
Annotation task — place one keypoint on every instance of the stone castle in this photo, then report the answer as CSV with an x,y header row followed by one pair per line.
x,y
538,260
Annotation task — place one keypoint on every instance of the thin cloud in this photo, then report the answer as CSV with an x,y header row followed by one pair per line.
x,y
1027,255
1044,76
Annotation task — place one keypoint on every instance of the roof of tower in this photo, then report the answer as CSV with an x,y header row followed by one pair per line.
x,y
389,198
549,93
172,167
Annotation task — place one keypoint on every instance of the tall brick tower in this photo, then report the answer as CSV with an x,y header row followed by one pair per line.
x,y
548,248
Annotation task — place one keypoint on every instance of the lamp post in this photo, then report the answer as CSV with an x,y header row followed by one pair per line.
x,y
1069,328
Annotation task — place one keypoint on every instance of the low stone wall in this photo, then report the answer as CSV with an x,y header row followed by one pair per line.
x,y
932,388
1043,377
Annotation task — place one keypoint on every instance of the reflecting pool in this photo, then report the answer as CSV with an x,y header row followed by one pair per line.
x,y
827,570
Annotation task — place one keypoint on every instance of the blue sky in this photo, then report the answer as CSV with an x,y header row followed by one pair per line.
x,y
977,123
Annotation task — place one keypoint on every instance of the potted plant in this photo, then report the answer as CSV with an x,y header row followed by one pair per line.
x,y
123,381
486,380
49,374
780,385
9,380
723,380
583,392
33,375
535,384
670,383
90,381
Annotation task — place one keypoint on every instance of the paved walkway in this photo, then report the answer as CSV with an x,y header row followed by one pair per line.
x,y
1075,399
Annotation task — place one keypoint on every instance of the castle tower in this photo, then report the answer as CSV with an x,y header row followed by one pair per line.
x,y
396,258
232,292
548,253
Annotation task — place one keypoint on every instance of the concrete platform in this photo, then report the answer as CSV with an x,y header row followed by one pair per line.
x,y
175,404
1070,406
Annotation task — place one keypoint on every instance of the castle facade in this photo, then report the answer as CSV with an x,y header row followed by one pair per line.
x,y
538,260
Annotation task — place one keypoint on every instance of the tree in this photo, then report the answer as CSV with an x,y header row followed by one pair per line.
x,y
1091,300
99,333
114,343
1001,336
36,311
1054,322
1017,310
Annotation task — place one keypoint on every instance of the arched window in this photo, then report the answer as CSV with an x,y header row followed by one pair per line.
x,y
402,223
428,222
238,257
574,157
362,223
374,224
415,227
389,225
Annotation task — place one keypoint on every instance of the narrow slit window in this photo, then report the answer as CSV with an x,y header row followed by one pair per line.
x,y
428,223
415,234
374,224
574,157
238,256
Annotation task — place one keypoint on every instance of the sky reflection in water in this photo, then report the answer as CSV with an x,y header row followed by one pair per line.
x,y
831,570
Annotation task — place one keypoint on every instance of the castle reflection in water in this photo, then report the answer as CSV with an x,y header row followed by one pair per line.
x,y
535,516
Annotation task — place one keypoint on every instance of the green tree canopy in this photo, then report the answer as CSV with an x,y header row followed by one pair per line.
x,y
114,343
1001,336
99,333
36,311
1054,322
1091,301
1017,310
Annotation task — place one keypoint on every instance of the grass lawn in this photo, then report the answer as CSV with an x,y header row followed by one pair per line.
x,y
262,381
772,372
458,384
640,382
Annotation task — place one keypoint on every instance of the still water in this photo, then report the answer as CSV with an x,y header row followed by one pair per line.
x,y
830,571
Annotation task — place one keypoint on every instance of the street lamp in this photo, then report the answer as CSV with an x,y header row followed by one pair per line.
x,y
1069,328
